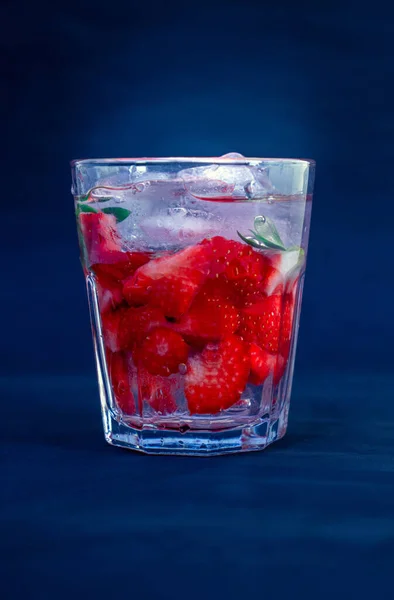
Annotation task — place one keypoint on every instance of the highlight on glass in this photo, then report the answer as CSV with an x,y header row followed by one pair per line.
x,y
194,270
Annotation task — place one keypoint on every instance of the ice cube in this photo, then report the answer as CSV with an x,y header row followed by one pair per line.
x,y
221,181
178,227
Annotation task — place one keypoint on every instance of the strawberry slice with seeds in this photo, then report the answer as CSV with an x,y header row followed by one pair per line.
x,y
159,392
170,282
212,315
162,352
223,251
118,369
243,268
216,377
260,323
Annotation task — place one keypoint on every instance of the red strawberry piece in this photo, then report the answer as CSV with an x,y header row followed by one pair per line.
x,y
262,364
243,267
280,368
279,266
170,282
116,337
159,392
260,323
121,381
212,315
248,290
100,236
223,251
248,264
136,324
216,377
162,351
122,264
246,274
287,323
109,292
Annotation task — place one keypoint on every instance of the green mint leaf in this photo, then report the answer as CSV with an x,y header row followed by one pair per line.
x,y
120,214
85,208
252,241
270,244
103,199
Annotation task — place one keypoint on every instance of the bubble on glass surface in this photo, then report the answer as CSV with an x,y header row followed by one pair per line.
x,y
234,155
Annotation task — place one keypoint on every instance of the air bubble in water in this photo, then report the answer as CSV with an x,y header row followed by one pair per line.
x,y
249,189
138,187
179,211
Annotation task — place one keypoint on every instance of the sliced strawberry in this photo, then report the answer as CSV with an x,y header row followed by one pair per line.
x,y
242,266
212,315
262,364
116,337
109,292
122,264
223,251
216,378
162,351
136,323
287,323
121,381
260,323
159,392
100,237
170,282
279,266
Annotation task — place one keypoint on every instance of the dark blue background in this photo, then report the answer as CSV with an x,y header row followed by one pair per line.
x,y
296,79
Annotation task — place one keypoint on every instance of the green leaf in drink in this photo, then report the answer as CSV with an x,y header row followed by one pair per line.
x,y
120,214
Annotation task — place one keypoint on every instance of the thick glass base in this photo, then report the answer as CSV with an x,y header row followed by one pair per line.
x,y
153,440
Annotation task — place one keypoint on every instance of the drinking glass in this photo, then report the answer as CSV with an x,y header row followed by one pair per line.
x,y
194,270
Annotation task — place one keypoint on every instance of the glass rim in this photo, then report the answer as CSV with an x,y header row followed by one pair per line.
x,y
192,159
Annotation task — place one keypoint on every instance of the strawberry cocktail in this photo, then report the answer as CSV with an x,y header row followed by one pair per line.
x,y
194,270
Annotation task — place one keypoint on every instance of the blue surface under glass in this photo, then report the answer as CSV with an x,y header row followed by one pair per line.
x,y
312,513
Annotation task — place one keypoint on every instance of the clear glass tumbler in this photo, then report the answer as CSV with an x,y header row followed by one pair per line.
x,y
194,270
